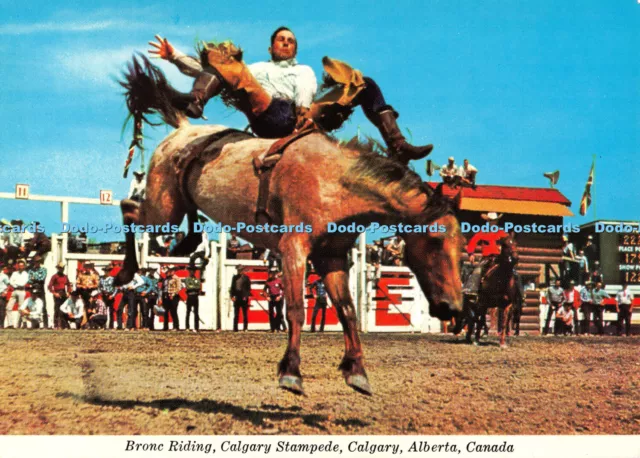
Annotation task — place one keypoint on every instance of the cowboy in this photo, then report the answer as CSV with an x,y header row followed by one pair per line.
x,y
18,282
97,311
555,298
4,286
193,286
39,243
278,96
137,187
624,307
240,292
37,277
490,250
108,292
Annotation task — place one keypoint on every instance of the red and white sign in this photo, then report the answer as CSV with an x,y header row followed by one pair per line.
x,y
22,191
106,197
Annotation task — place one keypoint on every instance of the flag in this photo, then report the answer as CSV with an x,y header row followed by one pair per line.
x,y
586,196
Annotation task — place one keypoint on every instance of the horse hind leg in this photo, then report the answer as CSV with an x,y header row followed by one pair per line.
x,y
295,251
336,278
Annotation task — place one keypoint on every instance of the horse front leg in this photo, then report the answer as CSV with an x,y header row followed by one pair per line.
x,y
295,251
505,316
336,280
163,204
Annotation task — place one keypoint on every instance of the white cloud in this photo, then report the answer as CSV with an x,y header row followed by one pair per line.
x,y
68,27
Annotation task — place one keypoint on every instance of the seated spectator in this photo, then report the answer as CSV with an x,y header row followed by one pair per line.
x,y
395,249
449,172
40,243
467,174
31,310
73,310
564,320
233,246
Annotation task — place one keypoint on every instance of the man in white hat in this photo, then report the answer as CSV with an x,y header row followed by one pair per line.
x,y
138,186
449,172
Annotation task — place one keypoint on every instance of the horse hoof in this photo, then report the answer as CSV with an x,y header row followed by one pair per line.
x,y
360,384
291,383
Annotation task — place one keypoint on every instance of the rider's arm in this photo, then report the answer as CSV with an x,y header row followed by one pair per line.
x,y
187,65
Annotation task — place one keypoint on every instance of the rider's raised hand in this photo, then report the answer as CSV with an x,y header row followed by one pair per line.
x,y
162,49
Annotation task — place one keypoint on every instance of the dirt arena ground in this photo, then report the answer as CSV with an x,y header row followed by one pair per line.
x,y
97,382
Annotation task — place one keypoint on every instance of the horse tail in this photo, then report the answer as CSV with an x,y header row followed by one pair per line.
x,y
147,92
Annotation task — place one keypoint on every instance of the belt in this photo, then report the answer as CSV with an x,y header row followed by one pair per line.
x,y
19,288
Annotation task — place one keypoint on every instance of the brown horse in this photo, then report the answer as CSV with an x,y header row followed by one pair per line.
x,y
317,182
498,289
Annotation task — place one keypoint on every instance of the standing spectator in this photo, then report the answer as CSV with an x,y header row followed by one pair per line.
x,y
274,290
396,251
467,174
572,297
564,318
591,251
97,311
240,293
4,286
87,281
586,296
32,308
18,282
624,307
37,277
233,246
568,257
583,264
449,172
320,293
141,298
170,298
59,286
193,287
108,293
596,274
599,295
73,310
132,292
137,187
555,297
152,293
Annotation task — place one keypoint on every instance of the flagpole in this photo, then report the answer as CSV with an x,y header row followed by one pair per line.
x,y
595,213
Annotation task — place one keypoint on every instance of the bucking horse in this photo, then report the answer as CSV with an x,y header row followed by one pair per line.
x,y
316,182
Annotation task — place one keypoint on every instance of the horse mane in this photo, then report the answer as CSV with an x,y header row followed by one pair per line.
x,y
377,175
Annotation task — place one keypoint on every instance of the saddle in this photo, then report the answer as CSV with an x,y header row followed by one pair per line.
x,y
206,149
199,152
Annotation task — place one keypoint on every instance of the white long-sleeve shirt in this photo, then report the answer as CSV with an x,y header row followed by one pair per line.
x,y
136,282
285,79
75,308
19,279
35,308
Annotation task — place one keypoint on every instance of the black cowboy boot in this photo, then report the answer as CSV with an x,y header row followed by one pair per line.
x,y
399,148
206,86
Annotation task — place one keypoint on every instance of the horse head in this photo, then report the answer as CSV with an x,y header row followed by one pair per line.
x,y
434,256
509,251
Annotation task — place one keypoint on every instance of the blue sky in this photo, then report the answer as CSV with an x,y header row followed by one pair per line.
x,y
519,88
